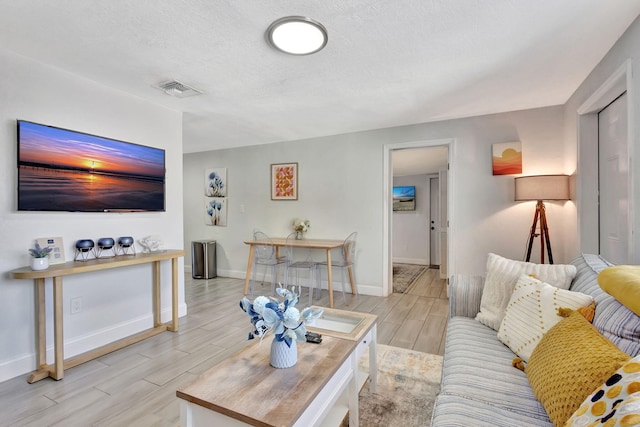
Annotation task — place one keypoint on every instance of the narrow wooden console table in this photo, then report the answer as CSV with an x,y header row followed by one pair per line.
x,y
58,271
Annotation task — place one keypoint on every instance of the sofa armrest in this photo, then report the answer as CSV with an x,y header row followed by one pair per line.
x,y
465,293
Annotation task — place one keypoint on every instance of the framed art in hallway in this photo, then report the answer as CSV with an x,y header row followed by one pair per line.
x,y
507,158
284,181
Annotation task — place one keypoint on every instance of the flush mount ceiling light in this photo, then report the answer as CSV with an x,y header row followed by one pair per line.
x,y
297,35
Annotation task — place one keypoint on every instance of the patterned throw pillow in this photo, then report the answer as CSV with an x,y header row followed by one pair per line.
x,y
571,361
532,311
615,403
502,275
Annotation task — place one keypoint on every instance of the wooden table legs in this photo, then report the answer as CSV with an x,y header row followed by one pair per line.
x,y
56,371
249,267
173,327
329,278
155,293
58,339
352,280
41,334
327,245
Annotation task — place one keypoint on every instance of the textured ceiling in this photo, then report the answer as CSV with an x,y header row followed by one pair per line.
x,y
388,62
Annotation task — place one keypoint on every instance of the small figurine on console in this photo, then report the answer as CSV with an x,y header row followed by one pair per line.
x,y
151,244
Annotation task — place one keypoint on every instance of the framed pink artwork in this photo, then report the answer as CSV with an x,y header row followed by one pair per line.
x,y
284,181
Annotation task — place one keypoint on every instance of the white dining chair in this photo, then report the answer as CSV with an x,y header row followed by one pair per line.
x,y
265,255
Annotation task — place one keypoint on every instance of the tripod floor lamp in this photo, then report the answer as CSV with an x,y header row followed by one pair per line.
x,y
541,188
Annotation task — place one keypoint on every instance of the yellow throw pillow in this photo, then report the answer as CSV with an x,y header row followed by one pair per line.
x,y
623,283
569,363
615,403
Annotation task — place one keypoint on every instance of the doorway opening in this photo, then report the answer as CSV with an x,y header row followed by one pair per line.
x,y
421,235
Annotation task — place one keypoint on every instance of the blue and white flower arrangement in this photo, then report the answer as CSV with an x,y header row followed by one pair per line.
x,y
269,314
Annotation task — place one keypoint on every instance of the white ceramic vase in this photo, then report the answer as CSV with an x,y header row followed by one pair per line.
x,y
39,263
283,356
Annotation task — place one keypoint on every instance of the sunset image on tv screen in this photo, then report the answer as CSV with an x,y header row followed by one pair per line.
x,y
64,170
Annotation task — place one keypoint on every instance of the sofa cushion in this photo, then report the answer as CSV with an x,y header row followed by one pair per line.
x,y
452,410
502,275
611,402
464,293
623,283
615,321
532,311
571,361
477,366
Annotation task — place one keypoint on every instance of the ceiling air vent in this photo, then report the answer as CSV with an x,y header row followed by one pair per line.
x,y
177,89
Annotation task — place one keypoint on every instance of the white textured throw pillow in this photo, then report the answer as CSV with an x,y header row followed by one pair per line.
x,y
532,311
502,275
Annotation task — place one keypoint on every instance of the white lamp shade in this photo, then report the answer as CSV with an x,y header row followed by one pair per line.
x,y
542,187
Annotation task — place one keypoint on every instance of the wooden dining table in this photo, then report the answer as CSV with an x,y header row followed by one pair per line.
x,y
326,244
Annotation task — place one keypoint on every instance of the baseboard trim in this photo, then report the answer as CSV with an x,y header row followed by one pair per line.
x,y
78,345
417,261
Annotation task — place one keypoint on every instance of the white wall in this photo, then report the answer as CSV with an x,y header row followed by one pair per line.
x,y
627,48
410,228
115,302
341,190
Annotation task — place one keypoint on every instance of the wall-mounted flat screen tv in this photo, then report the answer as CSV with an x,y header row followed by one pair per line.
x,y
65,170
404,198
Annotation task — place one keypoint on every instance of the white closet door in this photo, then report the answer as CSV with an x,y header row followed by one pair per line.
x,y
614,207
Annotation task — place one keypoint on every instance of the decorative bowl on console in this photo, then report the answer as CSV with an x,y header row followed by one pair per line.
x,y
83,248
125,241
106,243
126,245
85,245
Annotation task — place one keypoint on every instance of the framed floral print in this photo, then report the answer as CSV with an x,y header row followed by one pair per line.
x,y
284,181
215,182
215,211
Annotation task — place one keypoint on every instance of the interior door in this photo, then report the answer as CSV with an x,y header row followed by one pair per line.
x,y
443,191
613,176
434,222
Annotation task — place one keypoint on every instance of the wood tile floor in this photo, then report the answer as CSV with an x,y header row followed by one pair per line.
x,y
136,386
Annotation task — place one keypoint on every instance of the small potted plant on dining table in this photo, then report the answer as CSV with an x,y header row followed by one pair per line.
x,y
40,260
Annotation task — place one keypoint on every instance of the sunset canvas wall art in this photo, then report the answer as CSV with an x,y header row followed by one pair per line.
x,y
507,158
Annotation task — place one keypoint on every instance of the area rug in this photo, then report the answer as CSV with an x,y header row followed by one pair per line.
x,y
408,382
404,275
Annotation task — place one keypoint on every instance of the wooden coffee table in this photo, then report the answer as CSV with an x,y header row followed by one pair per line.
x,y
318,391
